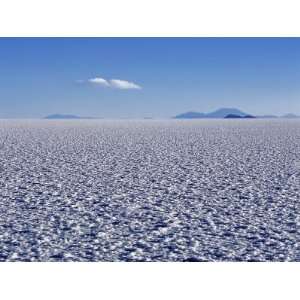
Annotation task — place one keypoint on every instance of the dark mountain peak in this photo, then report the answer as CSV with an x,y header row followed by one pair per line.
x,y
233,116
223,112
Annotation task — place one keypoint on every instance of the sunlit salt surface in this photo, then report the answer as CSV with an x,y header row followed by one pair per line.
x,y
206,190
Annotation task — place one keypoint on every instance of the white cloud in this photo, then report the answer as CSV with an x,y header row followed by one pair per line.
x,y
123,84
99,81
113,83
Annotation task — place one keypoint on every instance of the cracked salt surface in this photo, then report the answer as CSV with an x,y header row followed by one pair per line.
x,y
206,190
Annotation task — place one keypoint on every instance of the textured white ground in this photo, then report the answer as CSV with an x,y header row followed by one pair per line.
x,y
215,190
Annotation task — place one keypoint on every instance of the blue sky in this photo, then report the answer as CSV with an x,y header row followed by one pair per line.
x,y
141,77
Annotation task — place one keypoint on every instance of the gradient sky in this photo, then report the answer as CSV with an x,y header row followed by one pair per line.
x,y
41,76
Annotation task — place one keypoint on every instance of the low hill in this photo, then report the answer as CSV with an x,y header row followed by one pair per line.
x,y
65,117
190,115
217,114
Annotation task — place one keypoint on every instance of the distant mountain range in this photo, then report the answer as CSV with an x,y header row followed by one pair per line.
x,y
222,113
228,113
65,117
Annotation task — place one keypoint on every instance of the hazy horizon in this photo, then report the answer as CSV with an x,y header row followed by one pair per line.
x,y
147,77
62,115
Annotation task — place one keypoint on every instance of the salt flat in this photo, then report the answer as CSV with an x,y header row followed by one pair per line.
x,y
172,190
